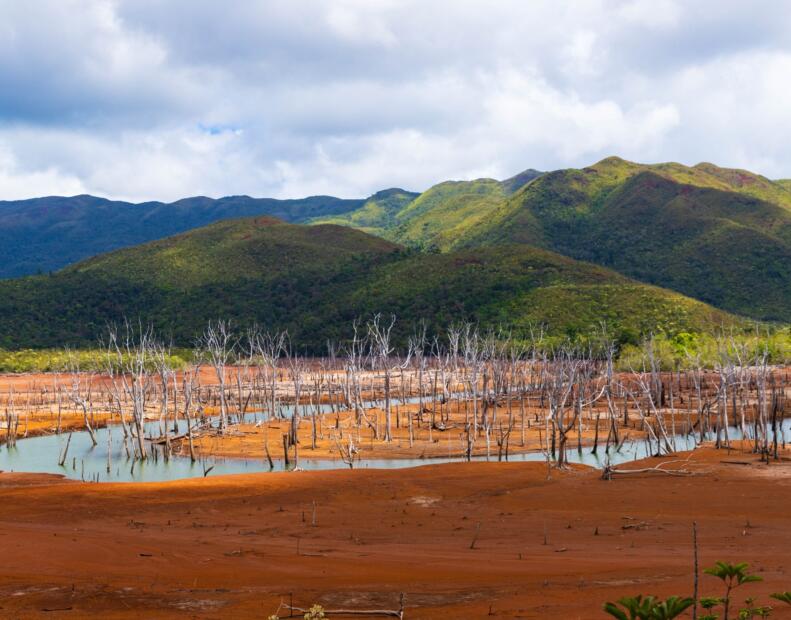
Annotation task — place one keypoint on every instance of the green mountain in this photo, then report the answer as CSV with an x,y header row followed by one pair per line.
x,y
438,217
315,280
518,181
718,235
43,234
721,236
378,213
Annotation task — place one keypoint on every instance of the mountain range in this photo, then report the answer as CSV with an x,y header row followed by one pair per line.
x,y
640,248
43,234
720,235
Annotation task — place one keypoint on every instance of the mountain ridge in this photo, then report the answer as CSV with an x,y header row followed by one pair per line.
x,y
44,234
664,224
262,270
720,235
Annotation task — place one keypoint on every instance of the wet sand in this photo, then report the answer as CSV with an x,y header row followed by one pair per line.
x,y
235,546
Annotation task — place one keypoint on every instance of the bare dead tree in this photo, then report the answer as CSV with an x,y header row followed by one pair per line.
x,y
297,369
471,350
218,344
348,451
79,393
131,365
382,348
271,347
190,380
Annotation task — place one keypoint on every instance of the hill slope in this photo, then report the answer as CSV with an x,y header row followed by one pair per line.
x,y
722,236
377,215
314,280
438,217
43,234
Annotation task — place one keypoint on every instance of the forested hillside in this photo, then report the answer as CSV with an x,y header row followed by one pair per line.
x,y
44,234
315,280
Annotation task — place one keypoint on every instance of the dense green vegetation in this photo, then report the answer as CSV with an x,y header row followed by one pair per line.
x,y
43,234
466,250
520,287
315,280
262,249
685,350
721,236
436,219
64,360
446,211
377,215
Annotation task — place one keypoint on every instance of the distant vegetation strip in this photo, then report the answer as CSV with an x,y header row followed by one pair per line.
x,y
682,351
72,360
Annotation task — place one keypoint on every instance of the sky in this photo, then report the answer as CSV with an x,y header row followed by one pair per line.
x,y
162,99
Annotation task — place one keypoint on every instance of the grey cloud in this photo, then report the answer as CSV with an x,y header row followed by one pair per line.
x,y
347,96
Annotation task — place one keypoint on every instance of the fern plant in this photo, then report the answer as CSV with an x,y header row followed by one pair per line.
x,y
673,607
648,608
631,607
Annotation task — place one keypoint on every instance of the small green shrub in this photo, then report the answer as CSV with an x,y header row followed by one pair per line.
x,y
648,608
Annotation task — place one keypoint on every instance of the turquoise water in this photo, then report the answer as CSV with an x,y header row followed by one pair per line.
x,y
88,462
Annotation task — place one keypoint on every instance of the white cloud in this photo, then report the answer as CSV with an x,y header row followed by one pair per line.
x,y
355,24
19,184
156,99
527,112
657,14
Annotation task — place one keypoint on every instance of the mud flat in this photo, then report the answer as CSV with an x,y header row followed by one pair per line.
x,y
417,434
235,546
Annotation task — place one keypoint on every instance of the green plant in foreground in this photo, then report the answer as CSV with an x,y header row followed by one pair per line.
x,y
671,608
648,608
637,607
750,612
733,576
709,603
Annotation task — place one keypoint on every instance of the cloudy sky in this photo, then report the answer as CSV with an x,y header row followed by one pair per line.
x,y
160,99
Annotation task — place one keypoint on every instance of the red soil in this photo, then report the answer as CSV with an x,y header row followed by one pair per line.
x,y
234,546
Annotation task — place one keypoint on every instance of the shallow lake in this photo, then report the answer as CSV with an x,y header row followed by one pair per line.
x,y
88,462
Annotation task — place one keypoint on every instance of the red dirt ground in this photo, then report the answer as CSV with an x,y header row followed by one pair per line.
x,y
234,546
